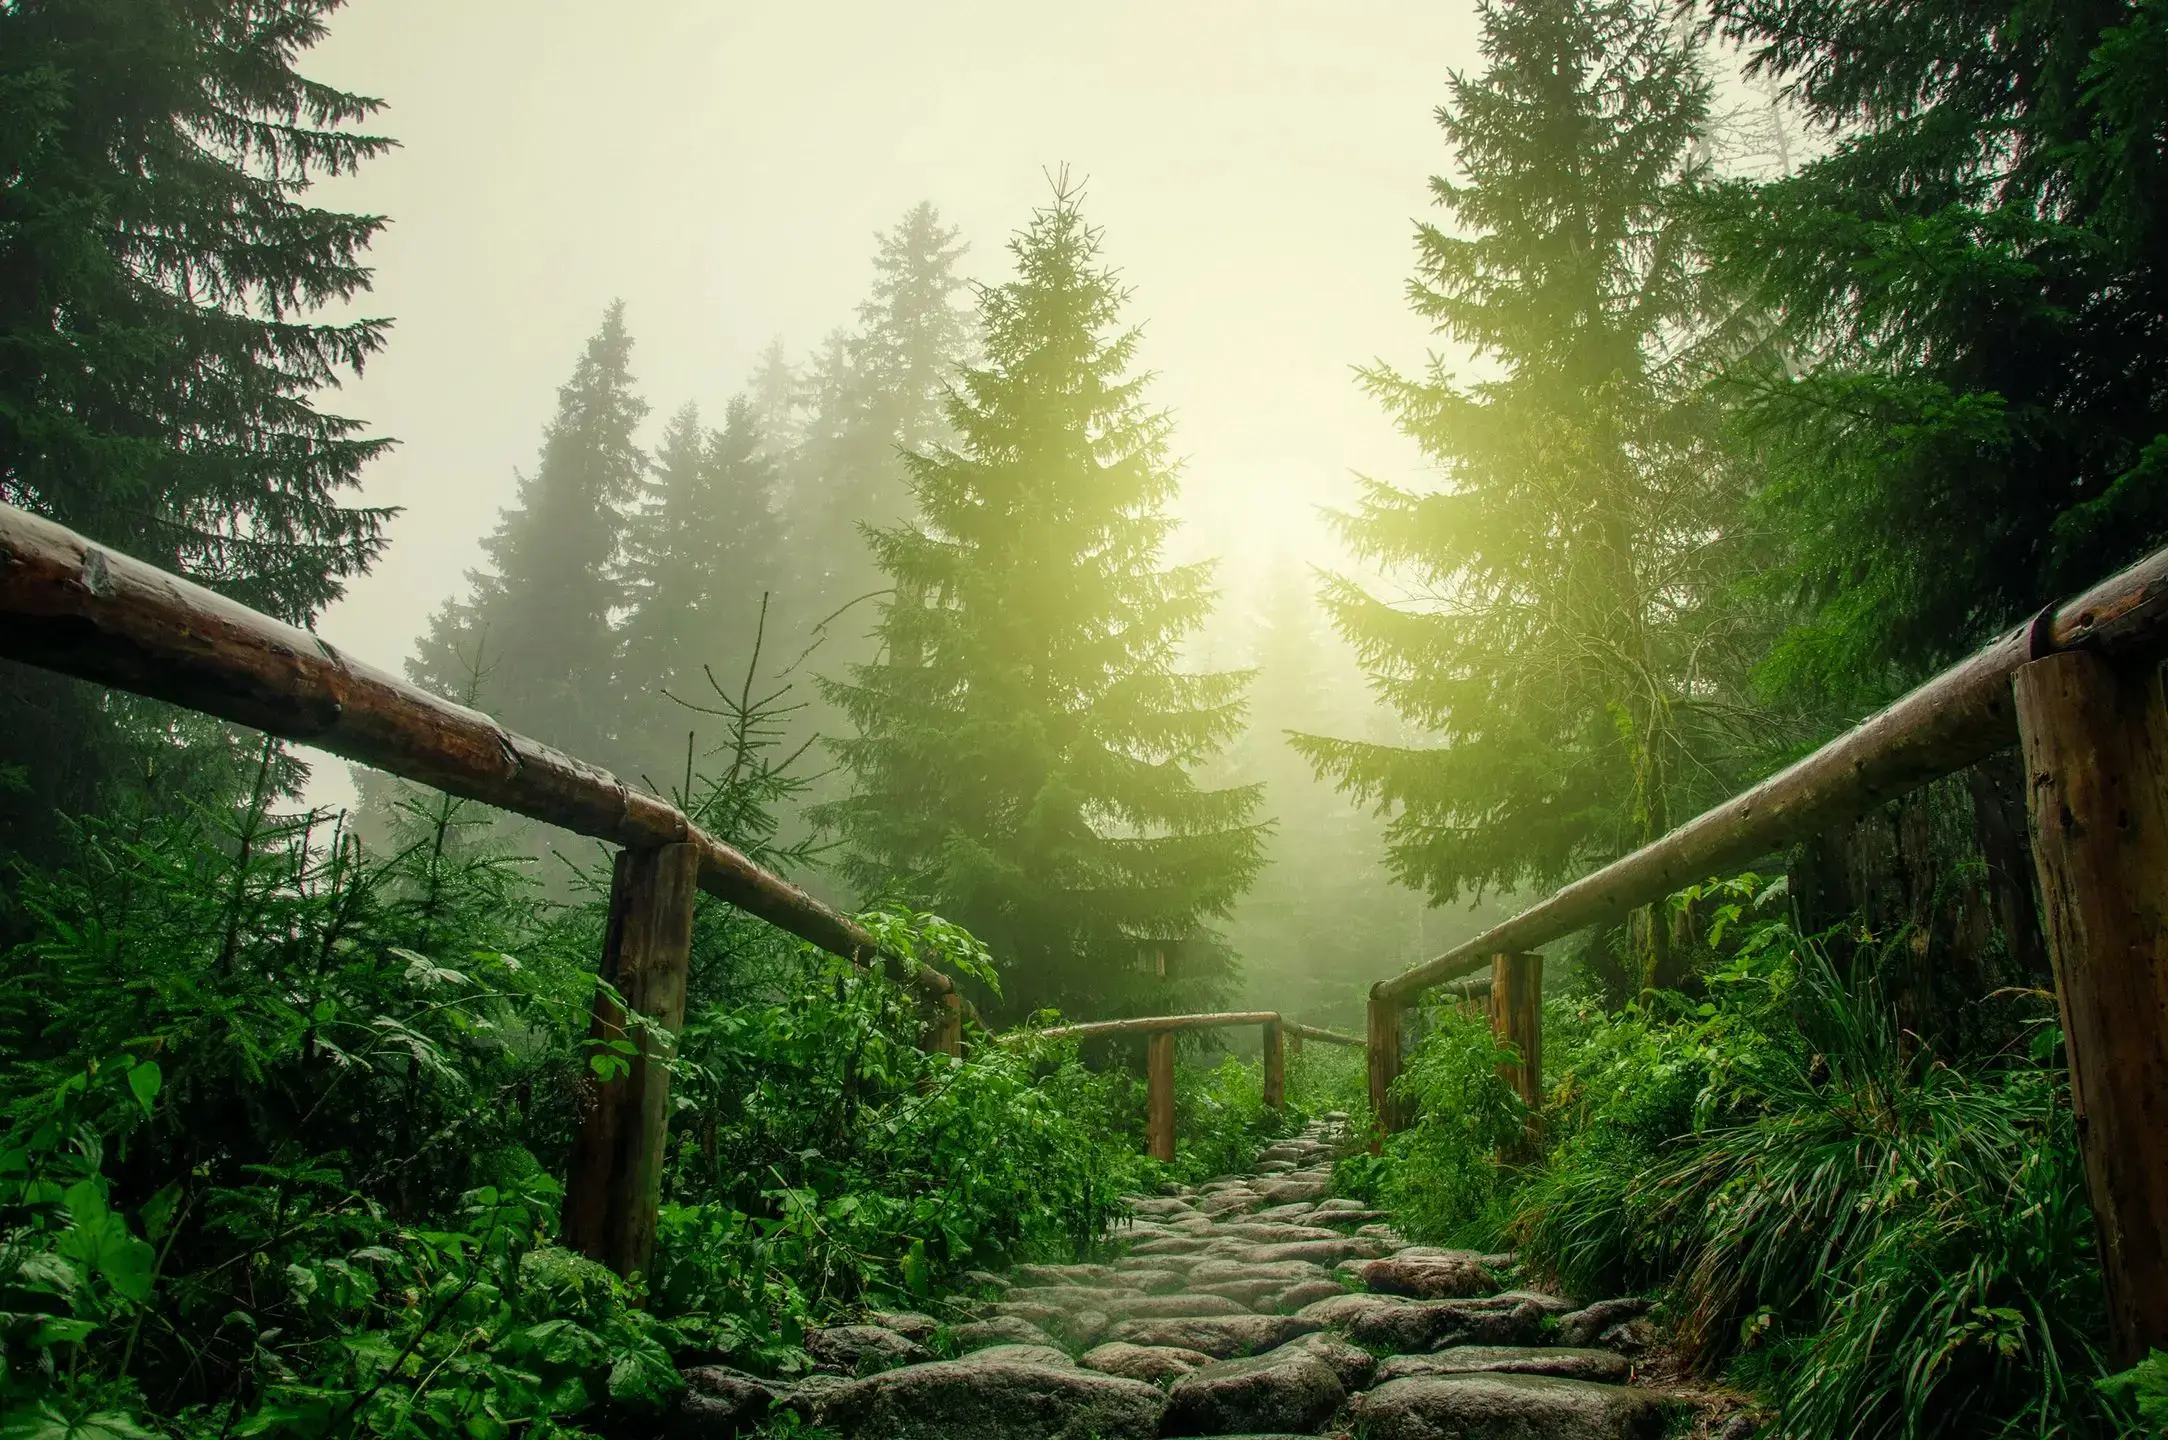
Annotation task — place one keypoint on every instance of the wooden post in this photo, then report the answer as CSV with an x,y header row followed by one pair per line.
x,y
1384,1068
2095,738
1275,1066
615,1184
944,1033
1159,1075
1516,1018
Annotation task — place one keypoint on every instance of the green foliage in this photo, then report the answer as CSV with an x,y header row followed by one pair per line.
x,y
1558,620
160,341
282,1122
1025,746
1964,397
1884,1241
1220,1119
1446,1178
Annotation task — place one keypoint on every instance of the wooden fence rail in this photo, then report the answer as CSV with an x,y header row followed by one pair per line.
x,y
2080,688
79,608
1159,1030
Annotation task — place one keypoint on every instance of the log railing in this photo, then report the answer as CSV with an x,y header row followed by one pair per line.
x,y
2079,690
81,609
1158,1031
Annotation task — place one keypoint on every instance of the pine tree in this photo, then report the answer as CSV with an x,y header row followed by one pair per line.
x,y
1966,399
1025,745
537,624
875,393
700,559
157,346
1559,644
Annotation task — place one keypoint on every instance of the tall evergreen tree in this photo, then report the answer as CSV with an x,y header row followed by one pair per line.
x,y
700,556
875,392
1025,745
159,271
538,621
1559,645
1966,398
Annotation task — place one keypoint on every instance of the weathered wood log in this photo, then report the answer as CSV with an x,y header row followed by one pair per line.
x,y
1159,1087
1150,1024
1300,1033
1960,716
1516,1017
2096,751
83,610
1275,1084
1384,1046
614,1184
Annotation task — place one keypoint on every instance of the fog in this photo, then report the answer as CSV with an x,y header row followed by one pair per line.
x,y
724,168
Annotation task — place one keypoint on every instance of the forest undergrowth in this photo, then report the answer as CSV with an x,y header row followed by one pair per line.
x,y
287,1121
1877,1238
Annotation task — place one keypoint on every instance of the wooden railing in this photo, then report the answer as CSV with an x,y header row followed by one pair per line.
x,y
1158,1031
79,608
2079,689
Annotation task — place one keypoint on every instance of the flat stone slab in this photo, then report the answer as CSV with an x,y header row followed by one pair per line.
x,y
1502,1407
1160,1365
1016,1355
1284,1390
1001,1330
1173,1307
1425,1277
860,1349
1356,1367
1073,1297
1225,1337
993,1400
1603,1366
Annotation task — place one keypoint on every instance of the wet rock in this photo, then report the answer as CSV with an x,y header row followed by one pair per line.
x,y
1284,1390
1016,1355
1160,1365
1079,1329
1036,1275
1172,1245
1584,1325
1548,1303
1503,1407
1073,1297
1173,1307
908,1323
1428,1277
1262,1233
1232,1202
1338,1312
1294,1297
1000,1400
1160,1207
1598,1365
1251,1293
1221,1272
1156,1281
718,1401
1630,1337
1317,1252
986,1280
1355,1366
860,1349
1001,1330
1224,1337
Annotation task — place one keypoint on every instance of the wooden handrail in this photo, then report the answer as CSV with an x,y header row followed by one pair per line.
x,y
82,609
1961,716
1326,1037
1152,1024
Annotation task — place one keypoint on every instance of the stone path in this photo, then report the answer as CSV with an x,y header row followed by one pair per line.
x,y
1255,1306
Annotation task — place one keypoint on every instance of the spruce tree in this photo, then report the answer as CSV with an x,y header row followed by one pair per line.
x,y
700,559
1965,399
159,339
1552,628
537,623
1024,743
874,393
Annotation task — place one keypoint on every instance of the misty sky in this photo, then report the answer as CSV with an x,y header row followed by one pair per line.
x,y
723,167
